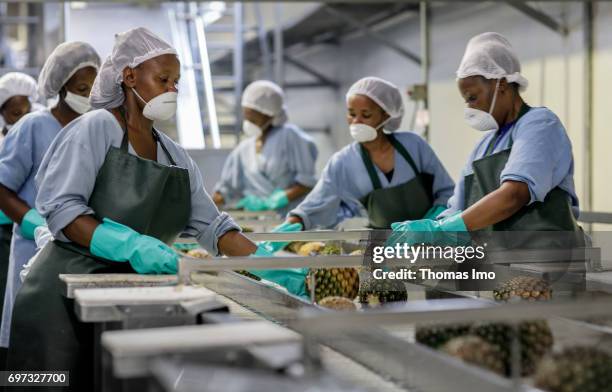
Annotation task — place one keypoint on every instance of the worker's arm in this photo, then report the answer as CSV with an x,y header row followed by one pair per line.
x,y
81,230
12,205
497,206
234,243
296,191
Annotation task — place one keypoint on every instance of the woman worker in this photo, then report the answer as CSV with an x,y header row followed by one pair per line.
x,y
275,166
113,191
17,93
520,176
395,176
68,72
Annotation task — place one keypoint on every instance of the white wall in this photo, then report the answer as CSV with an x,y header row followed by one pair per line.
x,y
553,64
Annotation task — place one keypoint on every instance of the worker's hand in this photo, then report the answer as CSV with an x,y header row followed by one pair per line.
x,y
434,211
286,227
147,255
252,203
31,220
218,199
278,199
428,231
4,220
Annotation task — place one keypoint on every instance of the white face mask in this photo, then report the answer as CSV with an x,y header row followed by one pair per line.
x,y
160,108
77,103
481,120
251,129
362,133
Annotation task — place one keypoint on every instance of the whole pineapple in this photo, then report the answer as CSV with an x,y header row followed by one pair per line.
x,y
523,288
334,282
575,369
374,292
535,339
436,335
476,351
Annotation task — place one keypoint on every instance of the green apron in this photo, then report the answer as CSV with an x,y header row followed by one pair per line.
x,y
554,214
152,199
6,233
408,201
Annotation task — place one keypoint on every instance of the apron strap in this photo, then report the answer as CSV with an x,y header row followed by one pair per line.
x,y
404,153
158,139
370,166
125,140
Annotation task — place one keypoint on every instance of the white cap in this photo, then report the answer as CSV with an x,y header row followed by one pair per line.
x,y
16,83
131,49
267,98
491,56
65,60
385,94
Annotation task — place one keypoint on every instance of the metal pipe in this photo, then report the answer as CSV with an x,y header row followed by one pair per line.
x,y
587,197
309,70
207,83
279,76
373,34
238,65
425,52
539,16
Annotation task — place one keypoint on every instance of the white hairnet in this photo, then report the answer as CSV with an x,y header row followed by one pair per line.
x,y
17,83
491,56
131,49
268,98
385,94
65,60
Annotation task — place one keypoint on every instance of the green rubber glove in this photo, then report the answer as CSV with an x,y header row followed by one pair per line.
x,y
434,212
446,231
252,203
4,220
286,227
278,199
147,255
31,220
293,279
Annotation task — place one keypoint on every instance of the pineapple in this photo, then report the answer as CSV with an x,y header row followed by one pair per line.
x,y
535,340
476,351
310,248
375,292
435,335
523,288
575,369
334,282
337,303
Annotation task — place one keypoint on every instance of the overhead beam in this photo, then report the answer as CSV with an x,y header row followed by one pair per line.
x,y
311,71
539,16
373,34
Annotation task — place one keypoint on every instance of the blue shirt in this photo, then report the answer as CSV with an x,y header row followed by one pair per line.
x,y
541,157
345,181
21,155
287,157
68,173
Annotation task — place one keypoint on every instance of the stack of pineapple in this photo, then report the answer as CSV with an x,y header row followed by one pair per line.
x,y
331,284
490,344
